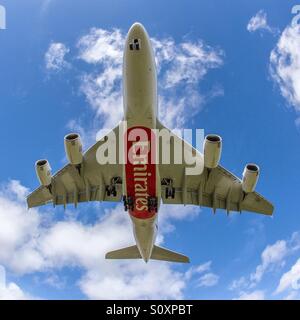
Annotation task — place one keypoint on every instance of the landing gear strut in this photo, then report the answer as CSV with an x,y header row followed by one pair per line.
x,y
111,190
152,204
128,203
169,189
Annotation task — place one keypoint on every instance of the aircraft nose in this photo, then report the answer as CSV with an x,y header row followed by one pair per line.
x,y
137,30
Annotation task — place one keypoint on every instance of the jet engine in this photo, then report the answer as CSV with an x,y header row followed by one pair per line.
x,y
73,147
212,151
43,171
250,177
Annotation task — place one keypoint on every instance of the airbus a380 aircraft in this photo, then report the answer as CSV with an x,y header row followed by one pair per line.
x,y
143,185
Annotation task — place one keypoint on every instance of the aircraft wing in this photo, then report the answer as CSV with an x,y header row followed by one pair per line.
x,y
215,188
87,183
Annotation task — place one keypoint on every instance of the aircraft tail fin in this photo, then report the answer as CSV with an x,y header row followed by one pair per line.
x,y
160,253
124,253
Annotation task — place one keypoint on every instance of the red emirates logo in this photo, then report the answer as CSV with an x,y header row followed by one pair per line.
x,y
140,170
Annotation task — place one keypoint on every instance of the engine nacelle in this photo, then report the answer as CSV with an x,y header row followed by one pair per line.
x,y
73,147
250,177
43,171
212,150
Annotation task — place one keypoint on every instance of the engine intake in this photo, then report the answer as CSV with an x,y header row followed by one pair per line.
x,y
212,150
250,177
43,172
73,147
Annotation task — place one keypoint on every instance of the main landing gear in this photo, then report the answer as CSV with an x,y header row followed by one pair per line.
x,y
169,189
129,203
111,190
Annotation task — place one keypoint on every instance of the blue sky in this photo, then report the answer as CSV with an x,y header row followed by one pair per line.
x,y
245,88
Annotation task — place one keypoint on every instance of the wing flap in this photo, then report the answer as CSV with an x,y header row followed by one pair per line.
x,y
42,196
252,202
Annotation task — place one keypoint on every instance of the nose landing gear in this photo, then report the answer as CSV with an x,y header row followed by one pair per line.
x,y
152,204
128,203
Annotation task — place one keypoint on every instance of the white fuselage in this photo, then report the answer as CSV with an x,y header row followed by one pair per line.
x,y
140,110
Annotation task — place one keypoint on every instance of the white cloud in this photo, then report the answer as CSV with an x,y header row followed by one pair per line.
x,y
10,291
198,269
285,65
272,255
55,57
273,258
124,278
29,244
19,230
180,66
134,280
208,280
103,88
202,275
105,279
293,295
290,279
55,281
189,62
259,22
170,213
102,95
237,284
92,241
102,46
255,295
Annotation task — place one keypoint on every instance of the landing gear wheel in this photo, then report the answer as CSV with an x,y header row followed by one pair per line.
x,y
108,191
170,192
167,193
111,191
130,203
152,204
125,203
173,193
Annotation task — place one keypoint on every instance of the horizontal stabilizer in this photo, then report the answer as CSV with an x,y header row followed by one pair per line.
x,y
160,253
124,253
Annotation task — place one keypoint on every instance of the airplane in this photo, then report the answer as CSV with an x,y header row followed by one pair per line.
x,y
143,186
